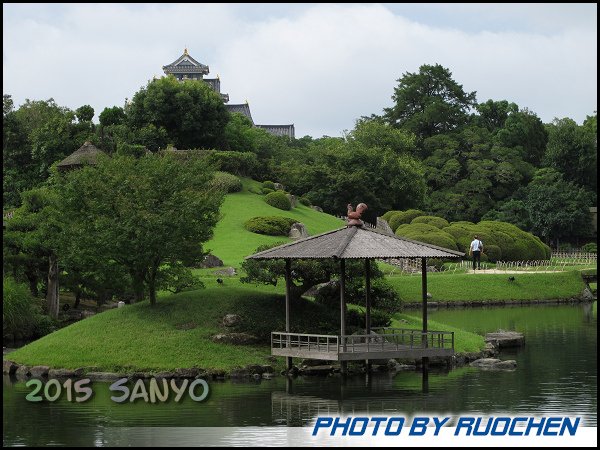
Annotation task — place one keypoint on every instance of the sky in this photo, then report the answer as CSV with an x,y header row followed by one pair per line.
x,y
319,66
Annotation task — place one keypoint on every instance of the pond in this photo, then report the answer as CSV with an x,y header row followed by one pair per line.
x,y
556,374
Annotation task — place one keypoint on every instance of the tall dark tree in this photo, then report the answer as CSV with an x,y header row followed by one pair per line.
x,y
429,102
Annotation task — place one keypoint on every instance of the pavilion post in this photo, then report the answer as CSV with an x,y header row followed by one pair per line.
x,y
368,304
288,286
343,364
424,360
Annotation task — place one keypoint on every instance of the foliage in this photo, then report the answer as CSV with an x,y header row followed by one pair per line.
x,y
493,252
279,200
590,247
21,315
268,185
265,191
429,102
557,208
237,163
226,182
135,150
271,225
148,214
402,217
438,222
190,112
305,201
573,150
430,234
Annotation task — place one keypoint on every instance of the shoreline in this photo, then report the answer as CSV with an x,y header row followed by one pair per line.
x,y
480,303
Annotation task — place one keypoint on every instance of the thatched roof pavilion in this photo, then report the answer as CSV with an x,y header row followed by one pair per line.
x,y
86,154
359,242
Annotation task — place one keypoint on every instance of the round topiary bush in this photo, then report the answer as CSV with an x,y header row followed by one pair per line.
x,y
389,214
429,234
305,201
493,252
266,191
401,217
268,185
278,199
270,225
226,182
438,222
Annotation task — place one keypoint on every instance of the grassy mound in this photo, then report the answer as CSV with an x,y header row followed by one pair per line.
x,y
232,242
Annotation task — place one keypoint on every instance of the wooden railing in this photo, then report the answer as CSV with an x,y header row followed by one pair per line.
x,y
384,339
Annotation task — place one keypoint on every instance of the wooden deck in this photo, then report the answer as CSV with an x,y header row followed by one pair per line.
x,y
383,343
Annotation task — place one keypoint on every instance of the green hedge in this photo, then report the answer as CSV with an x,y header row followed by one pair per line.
x,y
429,234
238,163
271,225
226,182
401,217
389,214
438,222
279,200
266,191
590,247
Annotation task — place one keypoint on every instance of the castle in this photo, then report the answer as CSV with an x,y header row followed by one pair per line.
x,y
187,68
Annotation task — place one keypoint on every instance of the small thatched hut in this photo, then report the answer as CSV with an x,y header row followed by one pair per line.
x,y
86,154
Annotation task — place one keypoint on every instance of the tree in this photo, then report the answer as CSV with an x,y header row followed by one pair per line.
x,y
493,114
191,114
84,113
572,150
525,131
557,208
429,102
146,215
30,244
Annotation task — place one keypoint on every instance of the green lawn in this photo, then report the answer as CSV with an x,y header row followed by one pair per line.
x,y
489,287
232,242
176,333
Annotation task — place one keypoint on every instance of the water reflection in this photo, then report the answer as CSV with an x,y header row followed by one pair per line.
x,y
556,374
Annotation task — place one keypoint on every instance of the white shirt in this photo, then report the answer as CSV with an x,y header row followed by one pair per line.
x,y
476,245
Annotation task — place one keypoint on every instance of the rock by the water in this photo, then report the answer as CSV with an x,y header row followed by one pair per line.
x,y
298,231
494,364
314,362
39,371
9,367
234,338
316,370
587,294
103,376
22,372
64,373
230,320
503,339
187,373
279,187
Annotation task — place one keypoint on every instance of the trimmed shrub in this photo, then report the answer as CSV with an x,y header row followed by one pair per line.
x,y
266,191
429,234
493,252
305,201
268,185
590,247
271,225
279,200
226,182
135,150
437,222
389,214
401,217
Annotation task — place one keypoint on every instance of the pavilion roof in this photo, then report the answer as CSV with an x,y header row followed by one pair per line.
x,y
356,243
86,154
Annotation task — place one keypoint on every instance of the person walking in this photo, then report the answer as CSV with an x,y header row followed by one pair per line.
x,y
475,250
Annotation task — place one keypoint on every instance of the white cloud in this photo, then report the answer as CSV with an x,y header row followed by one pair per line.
x,y
321,67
